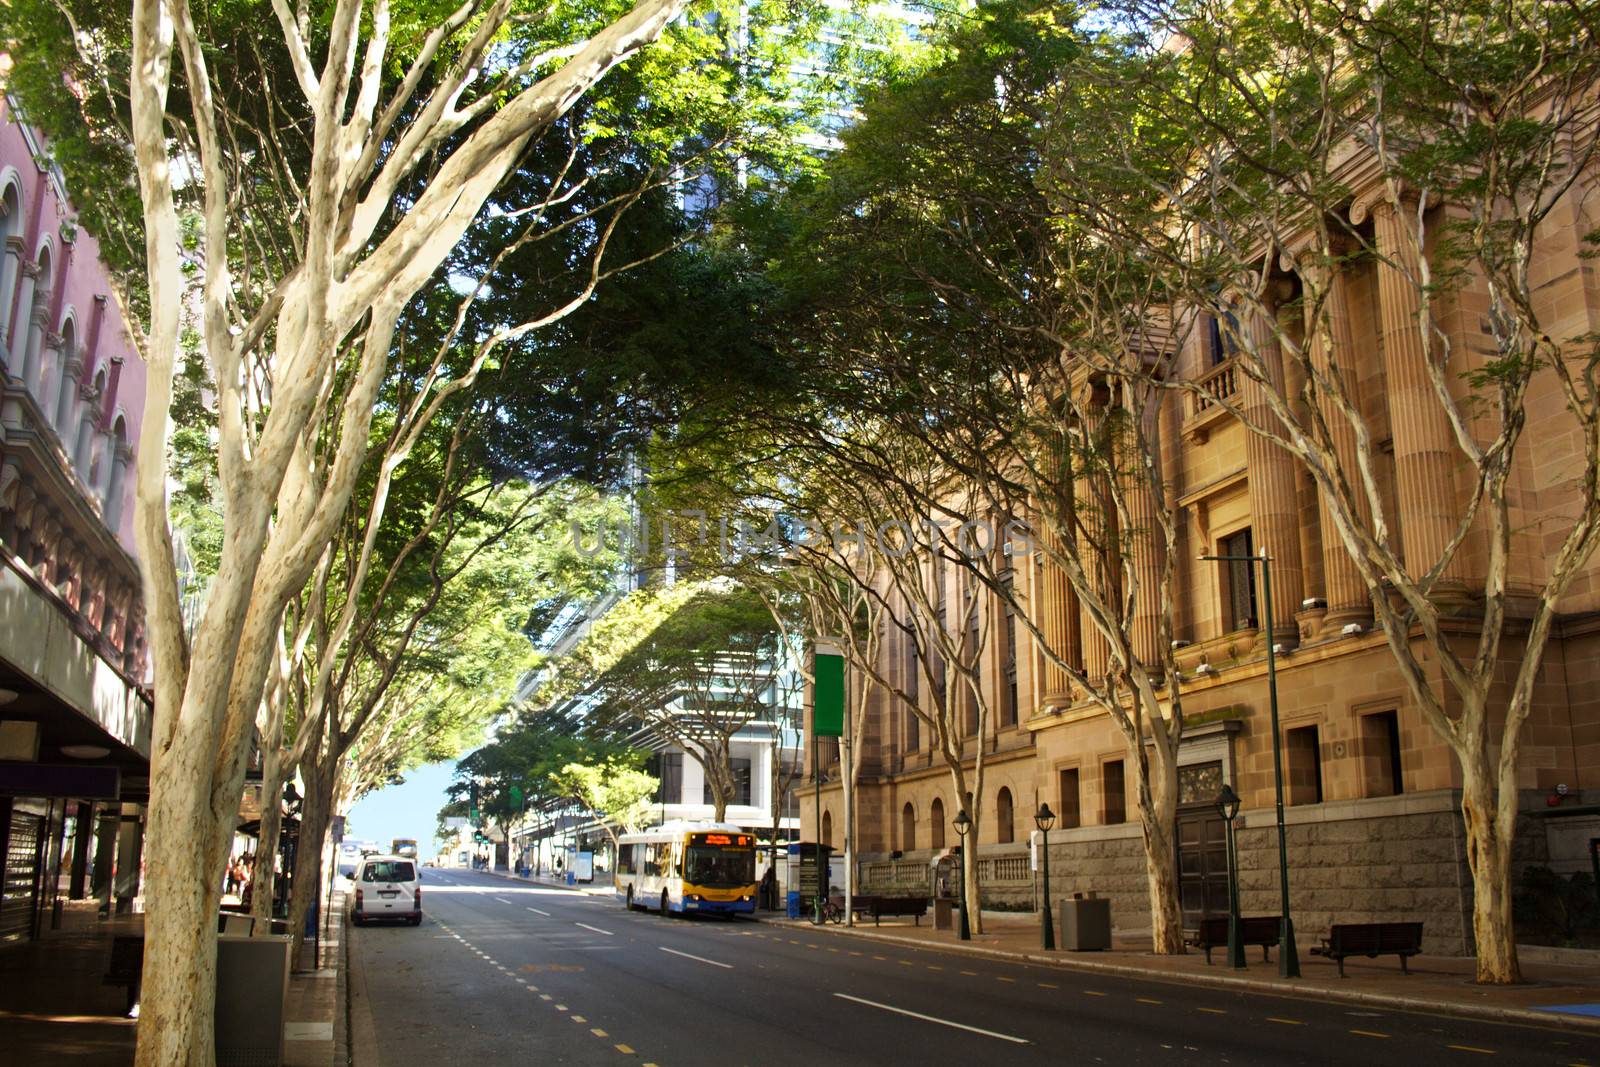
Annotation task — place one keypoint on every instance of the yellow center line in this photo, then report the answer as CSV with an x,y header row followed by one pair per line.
x,y
1003,978
597,1032
1285,1022
561,1007
1048,985
1212,1011
625,1050
934,967
1472,1048
579,1019
1093,993
970,974
813,946
855,953
833,950
544,996
905,963
1368,1033
1147,1000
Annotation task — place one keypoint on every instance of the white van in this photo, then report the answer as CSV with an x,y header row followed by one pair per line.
x,y
388,887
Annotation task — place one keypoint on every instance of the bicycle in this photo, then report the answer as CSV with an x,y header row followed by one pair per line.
x,y
833,910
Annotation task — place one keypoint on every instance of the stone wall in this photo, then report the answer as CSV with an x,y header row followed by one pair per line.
x,y
1107,861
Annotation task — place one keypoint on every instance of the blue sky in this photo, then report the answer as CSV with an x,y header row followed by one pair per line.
x,y
407,810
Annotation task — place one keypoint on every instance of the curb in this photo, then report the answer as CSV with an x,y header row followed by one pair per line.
x,y
1523,1016
341,995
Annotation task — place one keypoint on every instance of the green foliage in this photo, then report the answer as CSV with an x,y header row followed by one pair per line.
x,y
616,790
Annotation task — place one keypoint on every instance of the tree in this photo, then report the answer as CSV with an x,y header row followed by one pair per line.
x,y
704,673
616,791
1445,148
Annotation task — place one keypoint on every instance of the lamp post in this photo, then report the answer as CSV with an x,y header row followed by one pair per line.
x,y
963,824
1228,807
1288,954
1044,818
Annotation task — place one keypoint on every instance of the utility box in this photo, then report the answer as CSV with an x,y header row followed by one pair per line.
x,y
1086,924
252,993
944,909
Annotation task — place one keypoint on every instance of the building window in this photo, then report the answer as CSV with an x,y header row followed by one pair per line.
x,y
908,828
1380,739
671,778
1241,577
1114,790
1006,828
1303,757
936,824
1071,809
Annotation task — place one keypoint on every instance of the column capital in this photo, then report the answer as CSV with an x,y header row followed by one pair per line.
x,y
1379,201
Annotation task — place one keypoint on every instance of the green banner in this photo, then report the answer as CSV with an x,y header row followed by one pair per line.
x,y
827,716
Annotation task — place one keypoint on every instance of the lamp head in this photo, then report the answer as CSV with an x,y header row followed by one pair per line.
x,y
1227,802
1044,818
962,823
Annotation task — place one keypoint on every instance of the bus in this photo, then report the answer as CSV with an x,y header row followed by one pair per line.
x,y
404,846
688,868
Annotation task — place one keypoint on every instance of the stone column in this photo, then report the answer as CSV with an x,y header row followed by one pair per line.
x,y
1333,350
16,323
1058,606
130,851
116,489
76,887
1274,504
1092,512
105,844
1423,443
33,328
1144,542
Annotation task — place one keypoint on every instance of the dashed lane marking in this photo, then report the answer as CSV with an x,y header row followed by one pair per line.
x,y
1285,1022
596,929
1368,1033
1003,978
561,1007
579,1019
934,1019
1048,985
502,900
970,974
1472,1048
1147,1000
544,996
597,1032
536,911
691,956
1094,993
624,1049
1219,1011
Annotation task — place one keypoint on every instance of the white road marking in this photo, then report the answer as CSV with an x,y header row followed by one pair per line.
x,y
934,1019
596,929
536,911
702,959
502,900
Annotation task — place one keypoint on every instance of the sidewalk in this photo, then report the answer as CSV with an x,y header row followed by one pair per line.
x,y
1565,995
56,1008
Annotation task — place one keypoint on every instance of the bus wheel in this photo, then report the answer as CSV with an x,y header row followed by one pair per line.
x,y
665,904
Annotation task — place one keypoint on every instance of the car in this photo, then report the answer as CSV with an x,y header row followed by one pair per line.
x,y
388,889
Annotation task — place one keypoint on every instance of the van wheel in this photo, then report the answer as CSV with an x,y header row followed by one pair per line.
x,y
665,904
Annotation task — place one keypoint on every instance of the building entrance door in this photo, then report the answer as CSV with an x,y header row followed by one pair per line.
x,y
1202,864
19,877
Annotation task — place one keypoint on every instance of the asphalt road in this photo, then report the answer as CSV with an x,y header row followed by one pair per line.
x,y
503,972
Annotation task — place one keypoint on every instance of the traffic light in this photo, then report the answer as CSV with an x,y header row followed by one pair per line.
x,y
472,805
480,837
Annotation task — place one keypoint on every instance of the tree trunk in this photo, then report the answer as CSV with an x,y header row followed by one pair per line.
x,y
307,884
1489,856
184,859
1161,870
264,874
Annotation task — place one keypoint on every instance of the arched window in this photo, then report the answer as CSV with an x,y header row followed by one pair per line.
x,y
1007,831
908,828
936,824
827,828
10,261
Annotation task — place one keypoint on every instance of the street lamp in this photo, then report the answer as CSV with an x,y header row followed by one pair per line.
x,y
963,824
1044,818
1288,954
1228,807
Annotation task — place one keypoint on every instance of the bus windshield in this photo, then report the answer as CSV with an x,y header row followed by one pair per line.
x,y
712,865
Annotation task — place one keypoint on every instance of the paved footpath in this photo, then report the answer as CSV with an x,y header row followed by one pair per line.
x,y
504,970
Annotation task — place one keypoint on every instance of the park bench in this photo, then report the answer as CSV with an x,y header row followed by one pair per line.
x,y
1371,940
914,907
1253,930
127,961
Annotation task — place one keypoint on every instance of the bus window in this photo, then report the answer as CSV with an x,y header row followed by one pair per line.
x,y
718,866
625,859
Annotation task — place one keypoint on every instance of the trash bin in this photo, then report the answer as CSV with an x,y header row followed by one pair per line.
x,y
572,877
1086,924
944,909
252,987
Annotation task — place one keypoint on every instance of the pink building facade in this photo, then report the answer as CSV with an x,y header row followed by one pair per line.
x,y
74,712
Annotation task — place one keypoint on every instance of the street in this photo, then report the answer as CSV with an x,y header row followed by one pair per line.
x,y
502,971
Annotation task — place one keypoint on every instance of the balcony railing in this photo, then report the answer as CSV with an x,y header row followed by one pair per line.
x,y
1219,383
